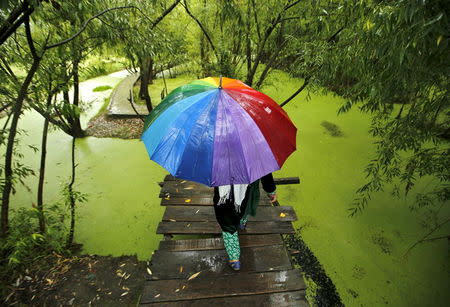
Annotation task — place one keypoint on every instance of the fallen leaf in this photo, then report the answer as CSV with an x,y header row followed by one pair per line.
x,y
126,288
194,275
197,211
282,214
177,290
172,220
122,264
149,271
187,200
28,278
188,225
123,294
183,287
189,187
157,295
181,269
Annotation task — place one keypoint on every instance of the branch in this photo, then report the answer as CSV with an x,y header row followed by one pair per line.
x,y
5,106
332,37
258,31
287,7
30,39
424,238
297,92
201,27
60,124
83,27
174,4
14,20
8,69
274,22
131,100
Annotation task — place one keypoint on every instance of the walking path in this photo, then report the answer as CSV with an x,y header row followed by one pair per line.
x,y
119,104
194,272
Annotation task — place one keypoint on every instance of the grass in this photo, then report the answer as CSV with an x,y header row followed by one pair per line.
x,y
102,88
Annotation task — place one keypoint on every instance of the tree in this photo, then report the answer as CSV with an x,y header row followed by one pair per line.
x,y
391,60
35,56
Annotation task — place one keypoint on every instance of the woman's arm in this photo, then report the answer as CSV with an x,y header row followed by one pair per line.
x,y
269,186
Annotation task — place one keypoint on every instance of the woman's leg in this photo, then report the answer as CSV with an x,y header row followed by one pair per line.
x,y
231,242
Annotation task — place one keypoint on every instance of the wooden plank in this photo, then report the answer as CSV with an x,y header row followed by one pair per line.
x,y
286,180
213,228
182,264
222,286
283,299
200,201
202,213
217,243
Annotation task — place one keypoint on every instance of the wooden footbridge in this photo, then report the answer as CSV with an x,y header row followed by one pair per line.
x,y
194,272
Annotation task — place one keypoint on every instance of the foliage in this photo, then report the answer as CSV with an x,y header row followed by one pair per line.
x,y
391,60
25,245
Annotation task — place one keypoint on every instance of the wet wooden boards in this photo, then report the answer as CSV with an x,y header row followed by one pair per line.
x,y
206,214
217,243
181,264
222,286
194,272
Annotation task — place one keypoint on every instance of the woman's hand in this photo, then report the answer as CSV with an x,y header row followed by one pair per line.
x,y
273,197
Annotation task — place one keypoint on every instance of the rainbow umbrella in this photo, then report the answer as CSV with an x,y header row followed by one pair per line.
x,y
219,131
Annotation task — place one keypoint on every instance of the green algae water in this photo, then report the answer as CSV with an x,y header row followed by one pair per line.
x,y
362,255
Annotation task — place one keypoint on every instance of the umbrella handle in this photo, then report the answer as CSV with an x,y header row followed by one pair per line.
x,y
220,81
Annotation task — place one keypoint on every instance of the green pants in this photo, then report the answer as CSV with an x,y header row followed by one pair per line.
x,y
231,242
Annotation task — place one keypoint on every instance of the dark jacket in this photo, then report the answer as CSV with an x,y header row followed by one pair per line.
x,y
226,215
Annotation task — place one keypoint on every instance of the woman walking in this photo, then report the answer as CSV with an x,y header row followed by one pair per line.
x,y
232,205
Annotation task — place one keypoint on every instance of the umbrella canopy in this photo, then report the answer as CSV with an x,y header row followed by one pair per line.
x,y
219,131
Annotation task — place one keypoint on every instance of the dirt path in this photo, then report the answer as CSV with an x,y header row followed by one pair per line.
x,y
84,280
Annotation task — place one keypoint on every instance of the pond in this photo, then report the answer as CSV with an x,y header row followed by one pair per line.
x,y
362,255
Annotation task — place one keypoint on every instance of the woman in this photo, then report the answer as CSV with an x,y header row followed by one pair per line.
x,y
232,205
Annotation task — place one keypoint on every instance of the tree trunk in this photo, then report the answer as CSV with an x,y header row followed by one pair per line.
x,y
72,199
146,68
66,99
40,204
76,125
16,110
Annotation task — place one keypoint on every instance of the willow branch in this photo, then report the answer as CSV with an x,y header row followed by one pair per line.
x,y
296,93
83,27
166,12
424,238
201,27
